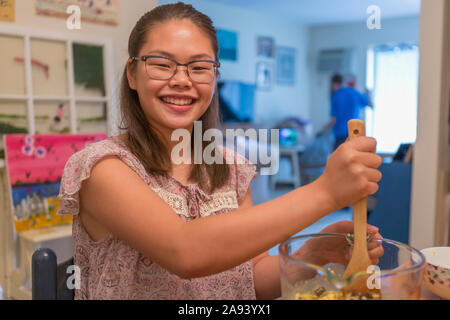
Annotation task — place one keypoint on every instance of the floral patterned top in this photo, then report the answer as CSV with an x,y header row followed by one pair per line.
x,y
111,269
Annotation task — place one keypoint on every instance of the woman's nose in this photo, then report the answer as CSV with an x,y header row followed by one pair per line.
x,y
181,77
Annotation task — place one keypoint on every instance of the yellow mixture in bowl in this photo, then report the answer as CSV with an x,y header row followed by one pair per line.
x,y
322,294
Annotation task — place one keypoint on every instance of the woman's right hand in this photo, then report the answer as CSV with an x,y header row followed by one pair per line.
x,y
351,172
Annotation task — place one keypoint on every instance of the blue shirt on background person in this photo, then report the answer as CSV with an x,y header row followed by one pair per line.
x,y
345,105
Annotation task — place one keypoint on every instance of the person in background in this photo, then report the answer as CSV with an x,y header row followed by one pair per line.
x,y
148,227
345,104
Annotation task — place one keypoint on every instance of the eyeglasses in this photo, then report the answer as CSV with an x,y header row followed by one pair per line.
x,y
164,68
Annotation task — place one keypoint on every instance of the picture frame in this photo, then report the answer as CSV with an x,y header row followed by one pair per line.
x,y
265,47
286,66
7,10
34,165
99,12
228,45
264,75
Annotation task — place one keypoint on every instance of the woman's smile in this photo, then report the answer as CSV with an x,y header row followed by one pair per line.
x,y
178,103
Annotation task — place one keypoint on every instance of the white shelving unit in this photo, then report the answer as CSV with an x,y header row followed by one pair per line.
x,y
16,279
30,98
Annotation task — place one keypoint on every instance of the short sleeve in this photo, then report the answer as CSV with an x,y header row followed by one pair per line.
x,y
245,172
334,109
78,169
363,99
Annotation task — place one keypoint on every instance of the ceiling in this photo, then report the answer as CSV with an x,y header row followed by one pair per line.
x,y
314,12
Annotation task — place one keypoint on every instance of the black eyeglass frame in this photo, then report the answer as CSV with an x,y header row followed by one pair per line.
x,y
216,65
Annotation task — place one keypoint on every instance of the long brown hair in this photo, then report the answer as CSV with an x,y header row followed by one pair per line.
x,y
143,140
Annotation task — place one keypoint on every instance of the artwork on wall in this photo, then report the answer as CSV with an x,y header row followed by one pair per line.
x,y
286,66
266,47
34,165
228,41
264,75
88,67
95,11
7,10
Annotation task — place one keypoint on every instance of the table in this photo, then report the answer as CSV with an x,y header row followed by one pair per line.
x,y
292,153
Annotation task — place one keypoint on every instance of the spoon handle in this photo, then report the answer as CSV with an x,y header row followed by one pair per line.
x,y
356,128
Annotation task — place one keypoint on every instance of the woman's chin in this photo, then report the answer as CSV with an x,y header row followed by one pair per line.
x,y
180,123
182,120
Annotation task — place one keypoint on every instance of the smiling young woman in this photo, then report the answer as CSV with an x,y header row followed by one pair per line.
x,y
147,228
178,32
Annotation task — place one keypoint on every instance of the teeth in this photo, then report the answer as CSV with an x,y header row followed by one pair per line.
x,y
179,102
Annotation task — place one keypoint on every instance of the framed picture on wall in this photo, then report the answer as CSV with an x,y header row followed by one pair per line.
x,y
228,42
100,12
264,75
266,47
35,164
286,66
7,10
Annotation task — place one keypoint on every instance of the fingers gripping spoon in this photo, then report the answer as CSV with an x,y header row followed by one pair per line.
x,y
360,260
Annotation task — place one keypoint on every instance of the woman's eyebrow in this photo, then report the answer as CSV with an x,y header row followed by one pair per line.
x,y
201,56
167,54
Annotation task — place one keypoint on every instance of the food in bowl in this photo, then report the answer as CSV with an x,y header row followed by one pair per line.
x,y
437,272
312,261
323,294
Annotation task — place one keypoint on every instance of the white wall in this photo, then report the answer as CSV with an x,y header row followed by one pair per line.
x,y
281,101
270,106
358,37
430,214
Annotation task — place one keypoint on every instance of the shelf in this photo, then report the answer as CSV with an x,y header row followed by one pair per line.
x,y
91,99
20,97
51,98
46,234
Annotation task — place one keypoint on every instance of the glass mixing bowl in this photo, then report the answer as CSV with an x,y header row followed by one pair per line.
x,y
312,268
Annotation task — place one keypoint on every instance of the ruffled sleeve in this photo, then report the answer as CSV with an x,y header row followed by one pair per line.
x,y
78,169
245,172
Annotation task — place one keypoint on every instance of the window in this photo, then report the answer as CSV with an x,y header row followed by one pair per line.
x,y
53,84
392,76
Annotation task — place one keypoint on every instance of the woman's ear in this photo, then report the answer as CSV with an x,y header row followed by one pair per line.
x,y
130,76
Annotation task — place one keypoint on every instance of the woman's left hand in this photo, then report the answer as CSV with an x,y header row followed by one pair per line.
x,y
323,250
374,247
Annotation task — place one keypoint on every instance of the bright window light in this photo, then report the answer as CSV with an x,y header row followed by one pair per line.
x,y
393,70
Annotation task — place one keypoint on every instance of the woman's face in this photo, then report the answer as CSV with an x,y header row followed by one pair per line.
x,y
177,102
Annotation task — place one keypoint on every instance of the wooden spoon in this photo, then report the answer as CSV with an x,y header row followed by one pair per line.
x,y
360,257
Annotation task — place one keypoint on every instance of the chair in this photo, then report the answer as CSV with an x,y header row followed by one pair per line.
x,y
291,153
392,210
49,280
313,159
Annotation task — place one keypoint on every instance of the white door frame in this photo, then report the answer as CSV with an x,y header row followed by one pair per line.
x,y
429,224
